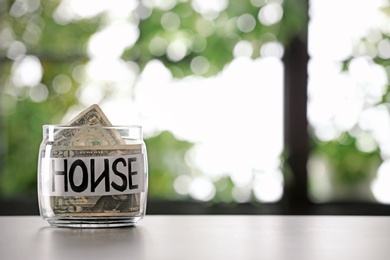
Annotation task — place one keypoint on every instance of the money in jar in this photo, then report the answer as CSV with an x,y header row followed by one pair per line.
x,y
92,174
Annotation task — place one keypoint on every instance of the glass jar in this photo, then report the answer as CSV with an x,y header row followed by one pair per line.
x,y
92,176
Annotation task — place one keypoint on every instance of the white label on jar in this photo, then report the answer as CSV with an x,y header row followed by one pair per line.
x,y
93,176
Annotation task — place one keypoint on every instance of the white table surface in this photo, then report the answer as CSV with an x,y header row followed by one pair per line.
x,y
202,237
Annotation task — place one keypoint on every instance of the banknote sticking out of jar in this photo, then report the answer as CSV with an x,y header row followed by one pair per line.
x,y
92,174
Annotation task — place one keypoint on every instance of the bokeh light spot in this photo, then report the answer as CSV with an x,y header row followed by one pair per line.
x,y
384,49
22,7
16,49
38,93
380,185
177,50
258,3
199,43
62,84
27,71
241,194
204,27
200,65
202,189
268,187
170,21
270,14
113,40
246,23
366,143
32,34
160,4
209,8
89,94
158,46
272,49
79,73
243,49
182,184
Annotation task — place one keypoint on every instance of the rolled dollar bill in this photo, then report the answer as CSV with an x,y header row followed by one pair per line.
x,y
85,130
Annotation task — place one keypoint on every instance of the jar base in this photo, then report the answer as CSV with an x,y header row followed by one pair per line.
x,y
93,222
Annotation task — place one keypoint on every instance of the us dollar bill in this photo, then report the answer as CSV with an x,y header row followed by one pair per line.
x,y
88,139
86,130
108,205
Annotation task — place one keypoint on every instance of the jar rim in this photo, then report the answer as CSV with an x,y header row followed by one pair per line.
x,y
91,126
134,131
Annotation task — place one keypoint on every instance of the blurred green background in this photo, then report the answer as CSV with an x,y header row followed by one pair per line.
x,y
44,49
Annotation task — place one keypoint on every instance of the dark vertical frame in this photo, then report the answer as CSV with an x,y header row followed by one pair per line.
x,y
296,139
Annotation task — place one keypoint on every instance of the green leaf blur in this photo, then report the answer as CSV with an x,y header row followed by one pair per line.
x,y
61,50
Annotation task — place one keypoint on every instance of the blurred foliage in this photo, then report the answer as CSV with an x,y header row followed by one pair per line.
x,y
59,49
224,188
24,139
350,166
213,39
28,28
351,170
294,21
162,150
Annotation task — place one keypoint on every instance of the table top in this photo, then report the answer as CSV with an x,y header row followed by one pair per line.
x,y
202,237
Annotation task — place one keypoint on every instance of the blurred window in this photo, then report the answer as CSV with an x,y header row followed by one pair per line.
x,y
204,78
348,104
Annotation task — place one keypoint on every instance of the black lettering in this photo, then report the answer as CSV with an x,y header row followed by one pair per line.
x,y
84,183
64,172
105,175
131,173
119,174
